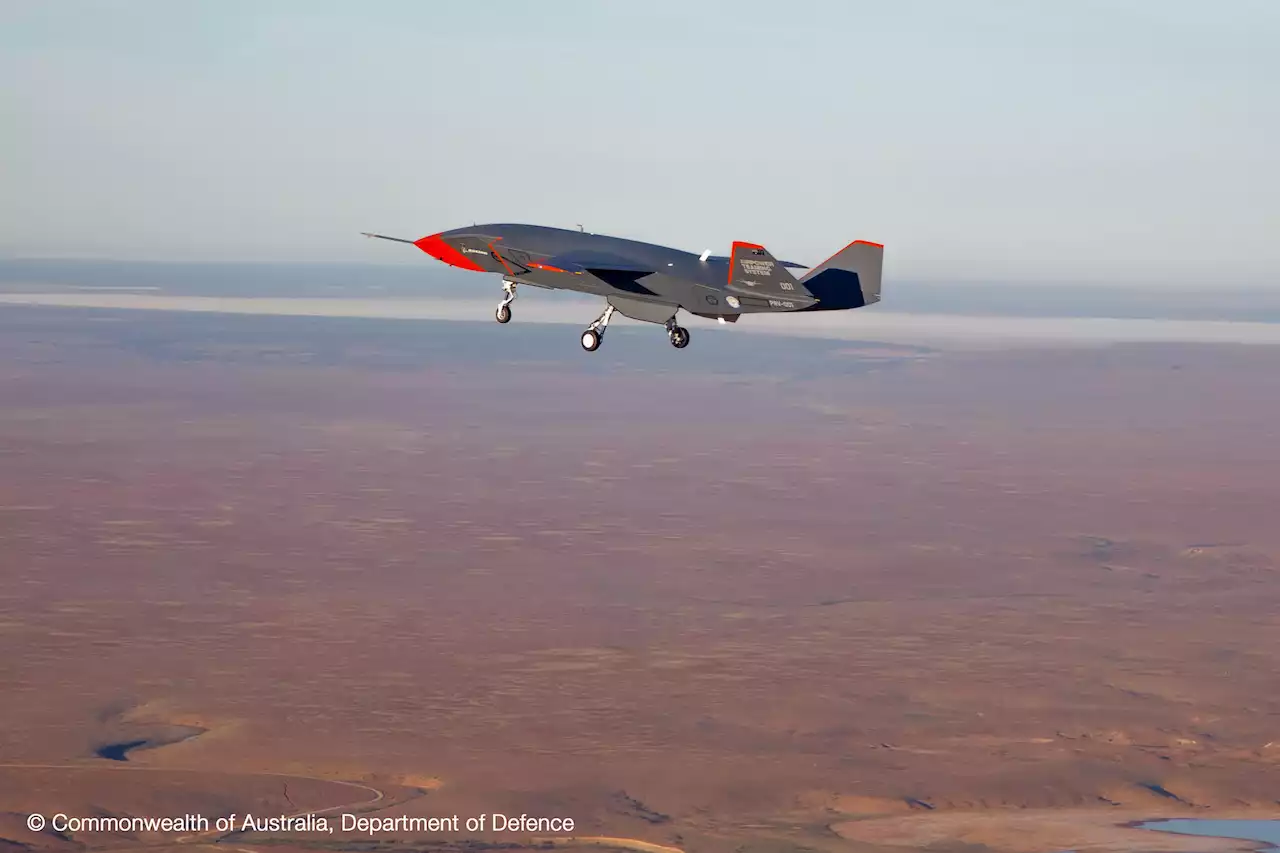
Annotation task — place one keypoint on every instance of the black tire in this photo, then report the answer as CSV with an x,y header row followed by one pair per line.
x,y
591,340
503,314
679,337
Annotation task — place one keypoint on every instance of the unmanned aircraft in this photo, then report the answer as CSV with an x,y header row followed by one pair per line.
x,y
652,283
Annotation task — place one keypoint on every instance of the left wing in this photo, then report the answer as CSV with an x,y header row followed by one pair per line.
x,y
586,260
618,272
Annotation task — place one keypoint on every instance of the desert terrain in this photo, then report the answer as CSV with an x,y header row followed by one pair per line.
x,y
763,595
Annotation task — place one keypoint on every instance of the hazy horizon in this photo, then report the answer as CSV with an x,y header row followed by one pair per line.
x,y
1122,141
913,313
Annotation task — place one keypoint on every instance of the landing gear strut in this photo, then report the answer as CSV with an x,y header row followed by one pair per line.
x,y
594,334
503,314
678,335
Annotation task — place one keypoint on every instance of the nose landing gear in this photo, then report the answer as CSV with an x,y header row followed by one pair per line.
x,y
503,314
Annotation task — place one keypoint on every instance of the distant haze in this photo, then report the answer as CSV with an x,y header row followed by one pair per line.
x,y
1095,141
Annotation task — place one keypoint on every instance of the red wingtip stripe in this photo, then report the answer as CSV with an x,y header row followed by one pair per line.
x,y
869,243
738,244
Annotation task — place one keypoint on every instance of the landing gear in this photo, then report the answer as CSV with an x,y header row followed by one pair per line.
x,y
503,314
594,334
678,335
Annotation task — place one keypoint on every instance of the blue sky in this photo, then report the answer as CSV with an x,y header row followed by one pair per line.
x,y
1103,141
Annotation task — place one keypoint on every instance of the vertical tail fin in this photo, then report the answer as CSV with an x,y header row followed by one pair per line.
x,y
848,279
752,270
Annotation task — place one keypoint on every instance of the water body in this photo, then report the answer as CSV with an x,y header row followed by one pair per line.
x,y
118,751
161,735
1250,830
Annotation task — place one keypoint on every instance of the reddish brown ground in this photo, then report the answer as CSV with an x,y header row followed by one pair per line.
x,y
705,610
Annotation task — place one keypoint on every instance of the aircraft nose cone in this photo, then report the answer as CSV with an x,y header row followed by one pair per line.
x,y
435,246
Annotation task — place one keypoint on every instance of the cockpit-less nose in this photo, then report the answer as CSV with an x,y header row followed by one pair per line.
x,y
652,283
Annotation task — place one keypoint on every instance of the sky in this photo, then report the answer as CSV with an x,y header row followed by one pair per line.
x,y
1118,141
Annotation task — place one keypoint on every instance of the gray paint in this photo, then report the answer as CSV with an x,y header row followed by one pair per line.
x,y
648,282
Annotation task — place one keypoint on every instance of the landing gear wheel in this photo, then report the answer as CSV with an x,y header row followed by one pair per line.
x,y
679,337
594,334
503,314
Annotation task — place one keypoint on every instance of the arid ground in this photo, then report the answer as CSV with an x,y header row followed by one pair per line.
x,y
762,595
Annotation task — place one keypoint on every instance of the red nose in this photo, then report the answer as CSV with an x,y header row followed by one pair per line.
x,y
436,247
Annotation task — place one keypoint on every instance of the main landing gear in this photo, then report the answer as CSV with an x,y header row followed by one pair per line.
x,y
503,314
678,335
594,334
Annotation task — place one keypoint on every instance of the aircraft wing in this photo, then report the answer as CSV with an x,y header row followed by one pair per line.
x,y
620,273
589,261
